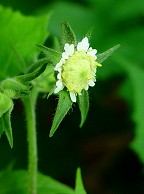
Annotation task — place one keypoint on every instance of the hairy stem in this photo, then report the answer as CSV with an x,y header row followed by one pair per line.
x,y
29,104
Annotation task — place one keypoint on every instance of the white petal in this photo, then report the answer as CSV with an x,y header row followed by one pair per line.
x,y
58,66
92,52
69,49
59,75
64,55
59,83
87,87
73,96
83,45
59,87
56,90
91,83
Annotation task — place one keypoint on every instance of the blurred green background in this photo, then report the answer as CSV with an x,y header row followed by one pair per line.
x,y
110,146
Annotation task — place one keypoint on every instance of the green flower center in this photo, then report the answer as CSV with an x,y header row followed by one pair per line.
x,y
77,71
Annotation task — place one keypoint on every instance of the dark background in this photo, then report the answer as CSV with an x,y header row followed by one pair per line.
x,y
101,146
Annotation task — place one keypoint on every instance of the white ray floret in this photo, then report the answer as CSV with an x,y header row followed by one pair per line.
x,y
69,49
83,45
73,96
59,85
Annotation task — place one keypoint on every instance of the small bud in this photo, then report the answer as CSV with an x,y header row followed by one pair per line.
x,y
14,89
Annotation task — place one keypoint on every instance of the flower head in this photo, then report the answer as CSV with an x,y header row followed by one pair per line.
x,y
77,68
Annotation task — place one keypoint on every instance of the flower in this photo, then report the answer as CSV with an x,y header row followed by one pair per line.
x,y
77,68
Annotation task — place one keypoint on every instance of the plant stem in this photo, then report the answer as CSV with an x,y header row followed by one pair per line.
x,y
29,104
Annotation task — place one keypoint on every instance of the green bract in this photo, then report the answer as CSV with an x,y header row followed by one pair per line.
x,y
5,104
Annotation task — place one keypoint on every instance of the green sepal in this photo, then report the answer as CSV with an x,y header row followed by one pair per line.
x,y
64,104
83,103
37,65
56,44
31,76
5,103
67,35
46,81
89,33
14,89
79,187
103,56
53,56
51,92
1,126
7,126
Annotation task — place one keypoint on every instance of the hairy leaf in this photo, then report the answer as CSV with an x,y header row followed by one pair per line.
x,y
64,104
83,103
5,103
7,126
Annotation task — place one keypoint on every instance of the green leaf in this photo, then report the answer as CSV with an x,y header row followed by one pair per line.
x,y
137,78
136,94
103,56
64,104
7,126
51,54
15,182
83,103
18,36
48,185
79,188
68,35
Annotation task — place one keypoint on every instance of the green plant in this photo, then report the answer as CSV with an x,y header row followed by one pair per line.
x,y
67,74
